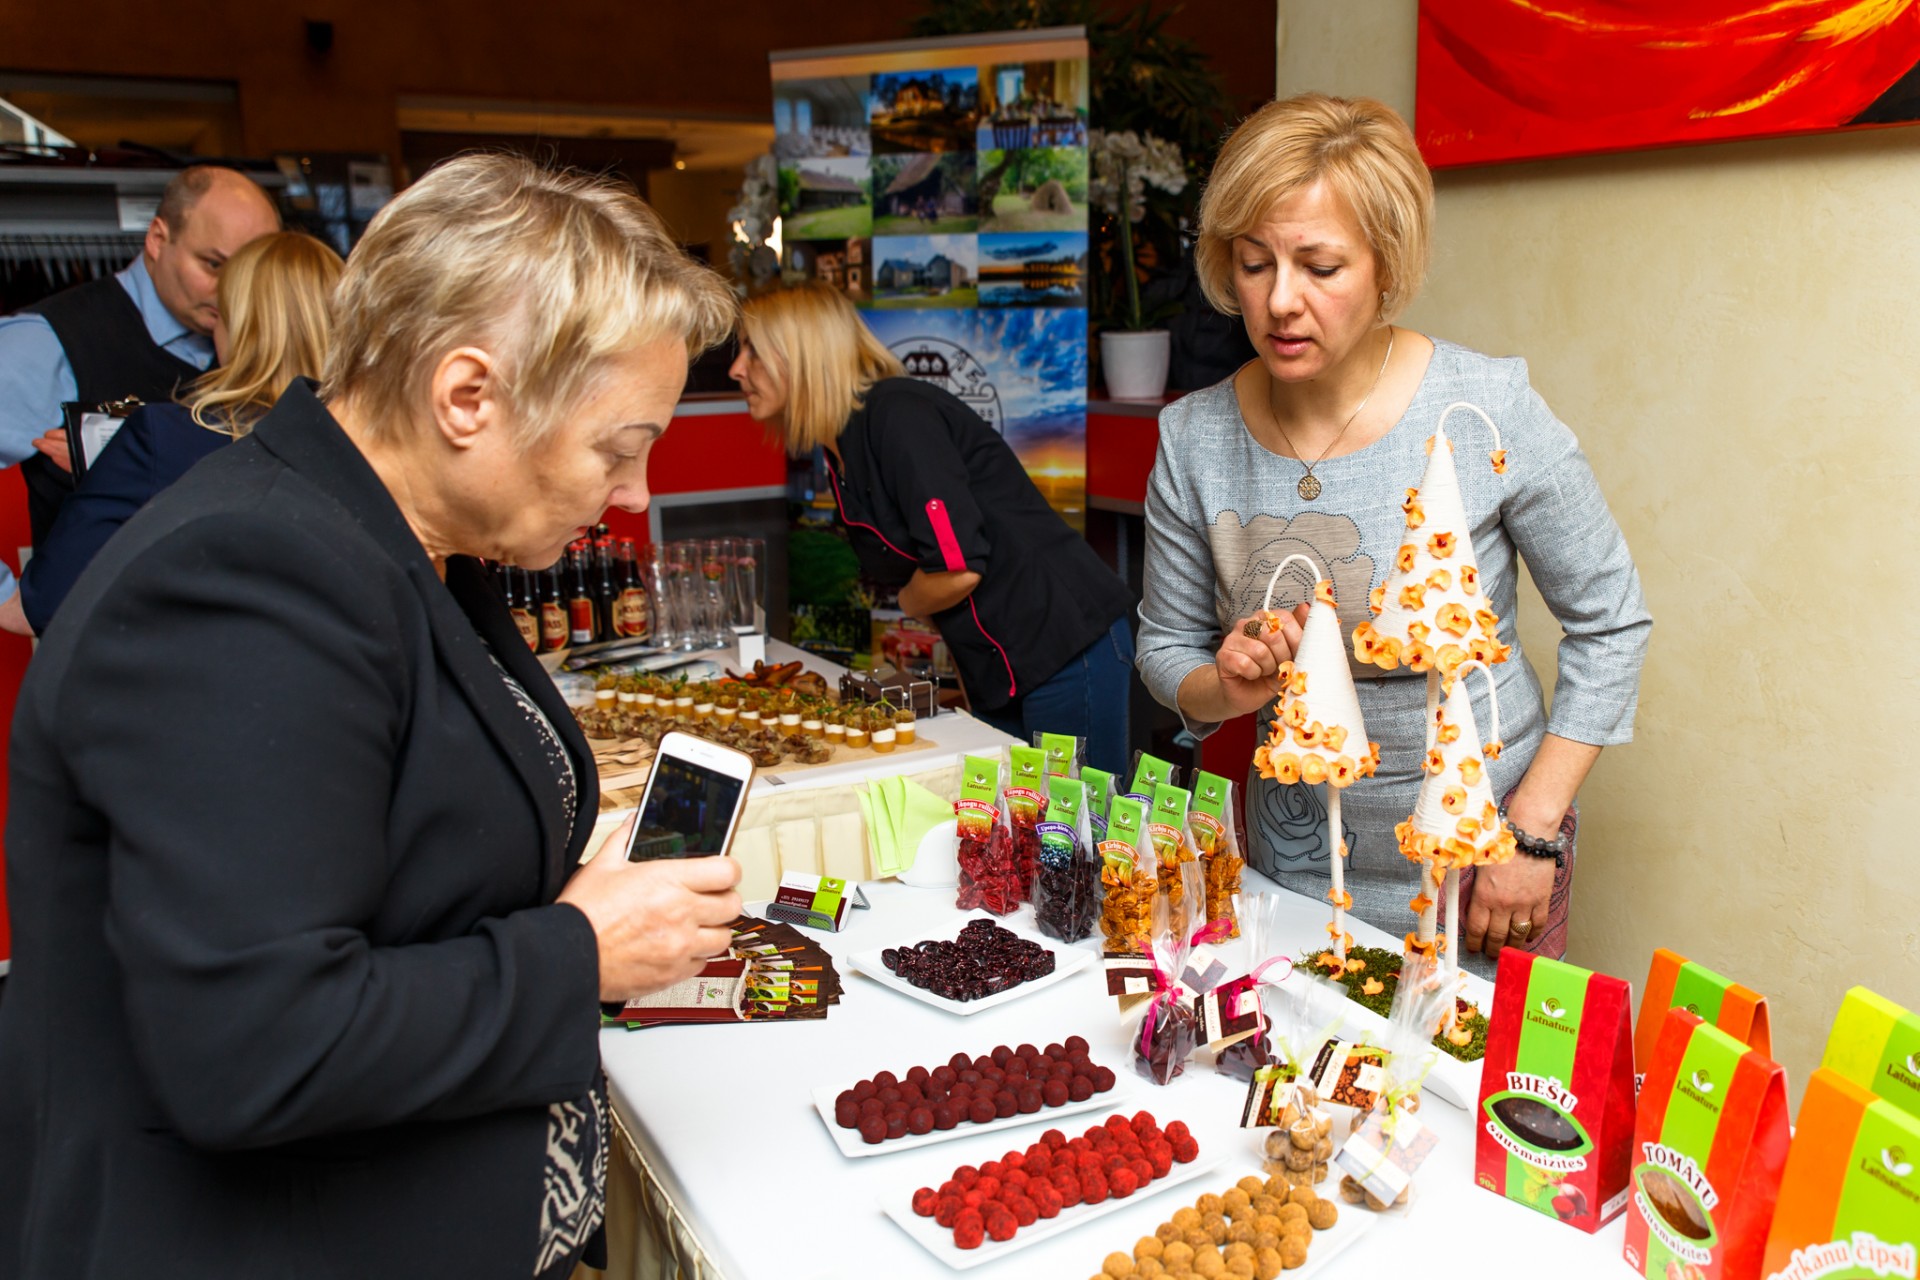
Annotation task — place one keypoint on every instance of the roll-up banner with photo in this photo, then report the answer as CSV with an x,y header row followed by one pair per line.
x,y
943,185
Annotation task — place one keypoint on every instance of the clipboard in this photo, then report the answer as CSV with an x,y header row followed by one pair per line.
x,y
91,427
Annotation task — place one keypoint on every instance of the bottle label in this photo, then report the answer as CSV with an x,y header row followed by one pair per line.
x,y
553,624
581,610
529,629
633,613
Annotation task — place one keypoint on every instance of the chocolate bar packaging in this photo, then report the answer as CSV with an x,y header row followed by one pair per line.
x,y
1675,982
1850,1200
1555,1121
1709,1148
1876,1044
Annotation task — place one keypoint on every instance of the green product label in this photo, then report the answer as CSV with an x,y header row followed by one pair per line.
x,y
1670,1185
1099,787
1126,835
1026,782
1876,1044
1065,796
1149,773
1210,795
1533,1118
1062,752
1878,1216
979,788
1700,990
1169,820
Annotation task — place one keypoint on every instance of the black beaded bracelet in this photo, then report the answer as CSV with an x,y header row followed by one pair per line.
x,y
1534,847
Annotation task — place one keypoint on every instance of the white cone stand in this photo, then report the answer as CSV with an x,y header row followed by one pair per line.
x,y
1322,657
1430,814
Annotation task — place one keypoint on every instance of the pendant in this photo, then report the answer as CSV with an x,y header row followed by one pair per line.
x,y
1309,487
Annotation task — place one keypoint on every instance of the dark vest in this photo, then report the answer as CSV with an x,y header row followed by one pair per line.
x,y
112,356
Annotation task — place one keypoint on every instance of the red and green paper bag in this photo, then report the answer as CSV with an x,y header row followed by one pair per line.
x,y
1708,1152
1675,982
1850,1201
1556,1091
1876,1044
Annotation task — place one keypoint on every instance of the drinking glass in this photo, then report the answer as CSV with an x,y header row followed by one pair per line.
x,y
716,588
749,579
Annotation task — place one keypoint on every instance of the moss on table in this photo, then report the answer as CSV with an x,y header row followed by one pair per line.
x,y
1383,966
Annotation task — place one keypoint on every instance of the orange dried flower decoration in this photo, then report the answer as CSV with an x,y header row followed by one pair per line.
x,y
1499,457
1454,800
1372,987
1470,771
1377,599
1434,761
1404,560
1285,766
1313,770
1416,514
1413,596
1453,620
1340,898
1469,579
1323,591
1441,545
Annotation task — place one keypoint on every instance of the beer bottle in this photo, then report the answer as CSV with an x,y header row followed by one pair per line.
x,y
520,604
606,591
635,620
582,625
553,613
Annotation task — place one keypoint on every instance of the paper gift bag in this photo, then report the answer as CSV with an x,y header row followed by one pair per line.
x,y
1709,1147
1675,982
1876,1044
1850,1200
1556,1090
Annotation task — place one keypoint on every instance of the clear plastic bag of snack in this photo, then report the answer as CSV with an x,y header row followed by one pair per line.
x,y
1211,820
1298,1144
1260,915
1129,879
1167,827
1066,755
989,879
1025,795
1066,879
1170,1032
1099,800
1389,1142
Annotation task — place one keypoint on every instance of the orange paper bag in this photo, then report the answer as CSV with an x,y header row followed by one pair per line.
x,y
1676,982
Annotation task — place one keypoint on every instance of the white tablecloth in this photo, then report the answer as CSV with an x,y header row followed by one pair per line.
x,y
724,1118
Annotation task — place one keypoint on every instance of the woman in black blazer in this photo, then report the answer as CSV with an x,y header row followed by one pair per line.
x,y
272,329
305,981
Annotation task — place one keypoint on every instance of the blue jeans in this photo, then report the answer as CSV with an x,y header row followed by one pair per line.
x,y
1087,698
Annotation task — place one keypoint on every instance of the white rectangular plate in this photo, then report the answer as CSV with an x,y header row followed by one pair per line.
x,y
853,1146
1451,1079
1067,959
938,1240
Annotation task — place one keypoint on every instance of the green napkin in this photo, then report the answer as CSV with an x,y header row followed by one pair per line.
x,y
921,811
879,836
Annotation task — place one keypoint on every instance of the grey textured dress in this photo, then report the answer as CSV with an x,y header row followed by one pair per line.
x,y
1223,511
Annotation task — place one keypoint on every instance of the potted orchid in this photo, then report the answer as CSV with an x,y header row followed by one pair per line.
x,y
1133,348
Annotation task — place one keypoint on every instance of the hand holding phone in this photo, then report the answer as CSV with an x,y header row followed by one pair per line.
x,y
693,801
655,923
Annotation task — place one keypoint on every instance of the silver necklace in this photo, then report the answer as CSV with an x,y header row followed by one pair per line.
x,y
1309,486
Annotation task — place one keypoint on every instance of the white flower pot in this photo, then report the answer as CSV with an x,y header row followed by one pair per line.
x,y
1135,364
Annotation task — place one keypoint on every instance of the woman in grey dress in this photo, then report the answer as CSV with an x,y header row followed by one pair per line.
x,y
1314,229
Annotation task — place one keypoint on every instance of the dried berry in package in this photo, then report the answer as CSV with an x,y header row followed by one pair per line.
x,y
1167,828
1210,831
1171,1030
1128,876
988,878
1026,804
1066,883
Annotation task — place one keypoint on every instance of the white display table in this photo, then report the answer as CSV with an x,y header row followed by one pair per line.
x,y
723,1117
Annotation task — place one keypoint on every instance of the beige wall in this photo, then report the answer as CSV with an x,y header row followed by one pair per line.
x,y
1734,333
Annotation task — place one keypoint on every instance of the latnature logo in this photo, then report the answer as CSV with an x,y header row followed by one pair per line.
x,y
1896,1161
1703,1082
1553,1008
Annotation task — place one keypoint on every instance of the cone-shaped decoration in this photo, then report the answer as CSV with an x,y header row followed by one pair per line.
x,y
1431,612
1456,821
1317,734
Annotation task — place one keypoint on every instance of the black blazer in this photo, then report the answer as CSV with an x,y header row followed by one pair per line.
x,y
290,993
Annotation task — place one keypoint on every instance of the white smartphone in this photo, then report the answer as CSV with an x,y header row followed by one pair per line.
x,y
693,801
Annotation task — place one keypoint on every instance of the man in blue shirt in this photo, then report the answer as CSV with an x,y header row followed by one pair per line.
x,y
206,214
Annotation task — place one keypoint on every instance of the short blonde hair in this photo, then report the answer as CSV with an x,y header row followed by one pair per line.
x,y
552,272
274,295
1361,148
813,342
